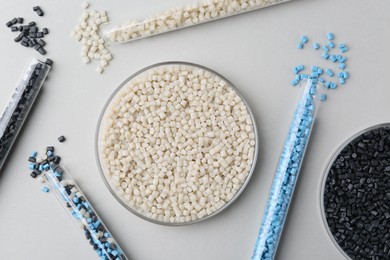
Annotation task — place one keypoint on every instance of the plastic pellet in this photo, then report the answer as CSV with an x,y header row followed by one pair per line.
x,y
322,97
345,75
325,56
356,195
45,189
85,5
42,51
325,48
14,21
333,58
49,62
342,66
300,46
18,38
41,42
343,50
331,45
342,59
304,39
294,82
329,72
61,139
330,36
38,10
9,24
342,81
45,31
316,46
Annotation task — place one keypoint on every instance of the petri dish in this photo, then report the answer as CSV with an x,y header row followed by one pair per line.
x,y
355,195
124,195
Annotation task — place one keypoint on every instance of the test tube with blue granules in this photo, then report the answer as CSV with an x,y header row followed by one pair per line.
x,y
83,214
286,174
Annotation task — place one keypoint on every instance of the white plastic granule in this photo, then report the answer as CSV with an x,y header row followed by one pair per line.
x,y
177,143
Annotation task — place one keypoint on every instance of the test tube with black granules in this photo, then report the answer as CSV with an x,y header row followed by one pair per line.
x,y
20,104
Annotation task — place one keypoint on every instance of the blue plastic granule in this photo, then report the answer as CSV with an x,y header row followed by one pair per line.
x,y
329,72
325,55
304,39
325,48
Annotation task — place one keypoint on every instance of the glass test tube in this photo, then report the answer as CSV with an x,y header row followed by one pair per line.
x,y
286,175
20,105
198,12
83,214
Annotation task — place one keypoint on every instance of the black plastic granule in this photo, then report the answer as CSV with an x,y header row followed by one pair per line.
x,y
357,196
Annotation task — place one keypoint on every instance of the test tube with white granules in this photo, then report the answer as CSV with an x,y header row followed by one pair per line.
x,y
83,214
286,174
183,16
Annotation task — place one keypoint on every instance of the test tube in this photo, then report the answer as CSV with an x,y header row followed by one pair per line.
x,y
286,174
194,13
20,105
83,214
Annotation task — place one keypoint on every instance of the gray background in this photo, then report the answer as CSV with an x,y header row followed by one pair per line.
x,y
256,52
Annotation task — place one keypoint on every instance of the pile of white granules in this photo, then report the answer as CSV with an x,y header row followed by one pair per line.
x,y
176,143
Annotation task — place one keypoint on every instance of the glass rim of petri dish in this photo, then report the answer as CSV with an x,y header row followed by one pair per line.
x,y
111,188
325,177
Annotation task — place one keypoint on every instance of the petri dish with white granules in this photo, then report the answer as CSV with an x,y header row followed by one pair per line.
x,y
176,143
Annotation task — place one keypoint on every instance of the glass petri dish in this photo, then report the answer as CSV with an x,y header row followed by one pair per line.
x,y
105,173
346,250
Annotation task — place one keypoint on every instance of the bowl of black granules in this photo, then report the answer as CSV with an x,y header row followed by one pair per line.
x,y
355,195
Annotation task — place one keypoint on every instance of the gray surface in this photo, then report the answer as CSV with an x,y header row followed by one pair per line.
x,y
256,52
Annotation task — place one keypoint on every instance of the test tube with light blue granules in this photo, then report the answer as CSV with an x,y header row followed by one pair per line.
x,y
83,214
286,174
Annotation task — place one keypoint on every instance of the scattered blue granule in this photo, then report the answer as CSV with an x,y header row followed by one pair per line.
x,y
337,58
285,177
